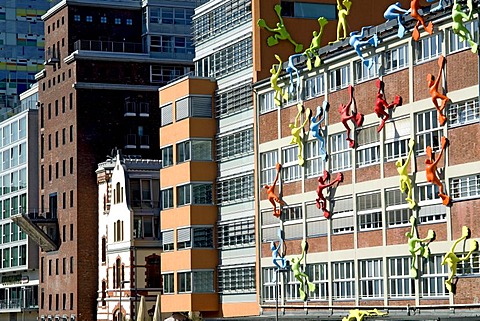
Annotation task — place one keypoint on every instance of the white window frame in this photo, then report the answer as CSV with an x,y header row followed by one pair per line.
x,y
397,211
429,131
266,102
314,164
291,170
292,286
369,216
455,44
343,280
341,215
339,78
464,113
465,187
397,136
167,156
269,285
314,86
168,280
340,153
362,73
318,274
470,267
428,48
432,268
401,284
268,161
371,278
368,147
396,58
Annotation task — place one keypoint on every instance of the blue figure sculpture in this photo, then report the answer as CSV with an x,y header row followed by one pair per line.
x,y
394,11
291,69
440,5
356,42
278,253
315,128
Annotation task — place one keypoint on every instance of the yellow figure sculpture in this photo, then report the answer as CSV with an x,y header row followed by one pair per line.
x,y
343,11
279,94
296,128
358,315
418,246
301,276
405,181
280,31
458,27
312,52
451,259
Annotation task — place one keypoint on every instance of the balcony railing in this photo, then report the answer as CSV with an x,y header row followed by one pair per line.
x,y
108,46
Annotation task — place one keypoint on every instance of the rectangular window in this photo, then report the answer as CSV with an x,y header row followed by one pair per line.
x,y
318,275
369,211
428,48
292,286
76,17
195,150
465,187
308,10
363,73
463,113
88,19
339,78
195,282
193,106
168,283
429,131
469,267
167,238
167,156
234,145
397,136
397,211
237,279
342,210
456,43
314,162
166,112
268,170
434,274
269,277
236,234
341,155
368,149
396,58
343,282
234,100
291,170
314,87
266,102
195,193
401,285
371,278
167,198
235,189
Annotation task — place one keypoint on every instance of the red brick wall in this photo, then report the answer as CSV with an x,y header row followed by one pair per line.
x,y
369,239
462,70
318,244
397,235
465,213
396,83
342,242
464,144
268,127
368,173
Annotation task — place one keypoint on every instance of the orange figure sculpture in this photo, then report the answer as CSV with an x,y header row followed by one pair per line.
x,y
272,197
355,117
431,171
322,184
435,94
414,7
381,104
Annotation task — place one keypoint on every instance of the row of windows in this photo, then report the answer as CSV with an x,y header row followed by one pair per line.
x,y
190,150
164,73
171,44
56,142
190,106
13,156
13,205
13,256
236,233
13,132
188,238
11,233
57,300
13,181
57,24
189,282
232,145
188,194
171,16
57,171
103,19
237,280
55,80
235,189
57,266
234,100
55,109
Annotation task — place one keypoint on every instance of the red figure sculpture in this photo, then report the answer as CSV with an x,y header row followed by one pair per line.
x,y
272,197
431,170
381,104
356,118
322,184
414,7
433,88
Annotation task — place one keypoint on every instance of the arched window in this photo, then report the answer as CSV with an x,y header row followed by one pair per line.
x,y
118,270
152,273
118,191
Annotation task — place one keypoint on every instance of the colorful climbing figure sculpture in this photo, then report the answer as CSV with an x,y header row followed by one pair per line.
x,y
440,5
395,11
312,51
272,197
296,129
358,315
414,7
315,128
405,181
431,170
355,117
278,251
279,94
433,85
381,104
458,27
343,11
293,89
323,182
357,43
451,259
301,276
280,31
418,246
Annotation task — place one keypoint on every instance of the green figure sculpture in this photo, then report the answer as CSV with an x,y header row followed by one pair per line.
x,y
279,94
405,181
343,11
418,246
312,52
458,27
358,315
280,30
296,129
451,259
301,276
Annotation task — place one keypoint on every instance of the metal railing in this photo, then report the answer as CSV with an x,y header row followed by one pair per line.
x,y
108,46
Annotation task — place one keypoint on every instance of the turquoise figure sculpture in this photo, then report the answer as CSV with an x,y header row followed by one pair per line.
x,y
458,27
278,253
312,51
296,128
301,276
451,259
343,11
315,128
279,94
418,246
440,5
280,31
357,44
395,11
405,181
292,69
358,315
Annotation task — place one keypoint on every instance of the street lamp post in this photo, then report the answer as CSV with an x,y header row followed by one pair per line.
x,y
23,302
122,283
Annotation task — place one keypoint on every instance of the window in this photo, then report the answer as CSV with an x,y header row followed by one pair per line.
x,y
104,249
239,279
269,292
235,189
195,150
369,208
88,19
236,234
368,149
195,193
234,145
166,114
429,131
193,106
314,87
118,21
167,198
396,58
291,170
397,135
397,211
167,237
167,156
71,133
465,187
339,78
340,156
400,283
363,73
371,278
318,274
428,48
456,44
152,271
317,225
168,283
165,73
469,267
308,10
234,100
342,210
431,213
434,274
292,286
76,18
195,282
128,22
463,113
343,282
71,264
314,163
266,102
195,237
268,170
